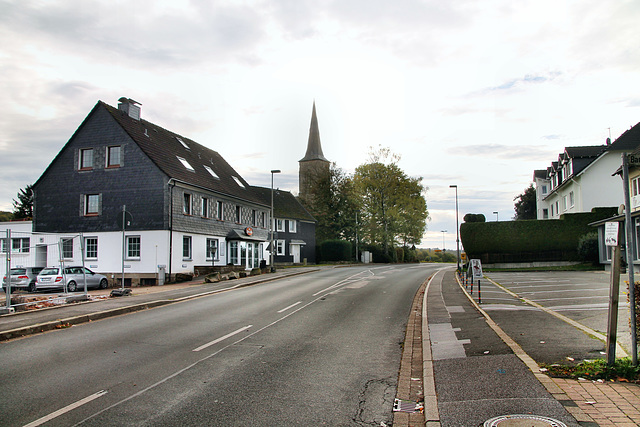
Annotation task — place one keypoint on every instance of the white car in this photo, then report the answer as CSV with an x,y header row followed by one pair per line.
x,y
52,278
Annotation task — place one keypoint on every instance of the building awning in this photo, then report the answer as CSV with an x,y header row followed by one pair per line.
x,y
242,234
298,242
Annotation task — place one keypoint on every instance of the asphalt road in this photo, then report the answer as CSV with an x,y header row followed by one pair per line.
x,y
580,296
318,349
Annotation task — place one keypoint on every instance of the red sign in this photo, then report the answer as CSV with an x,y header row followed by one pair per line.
x,y
248,231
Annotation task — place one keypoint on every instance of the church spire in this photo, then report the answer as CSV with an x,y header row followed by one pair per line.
x,y
314,148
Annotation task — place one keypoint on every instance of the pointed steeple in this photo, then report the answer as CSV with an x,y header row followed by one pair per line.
x,y
314,148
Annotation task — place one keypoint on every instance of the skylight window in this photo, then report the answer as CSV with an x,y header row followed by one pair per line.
x,y
184,144
213,174
237,180
186,164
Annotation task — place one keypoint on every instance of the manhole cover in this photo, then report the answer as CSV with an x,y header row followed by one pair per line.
x,y
523,421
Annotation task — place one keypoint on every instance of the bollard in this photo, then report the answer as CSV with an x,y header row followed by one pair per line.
x,y
479,297
472,286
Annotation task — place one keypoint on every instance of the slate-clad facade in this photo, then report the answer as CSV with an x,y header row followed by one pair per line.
x,y
294,229
185,205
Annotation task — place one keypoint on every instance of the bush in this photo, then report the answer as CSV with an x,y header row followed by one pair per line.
x,y
474,218
335,250
588,248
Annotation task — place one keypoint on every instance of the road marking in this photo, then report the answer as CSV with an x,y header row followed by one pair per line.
x,y
202,347
66,409
291,306
348,280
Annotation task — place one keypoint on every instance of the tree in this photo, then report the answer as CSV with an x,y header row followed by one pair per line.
x,y
392,205
334,205
23,207
525,205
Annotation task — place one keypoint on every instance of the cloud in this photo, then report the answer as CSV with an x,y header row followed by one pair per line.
x,y
133,33
501,151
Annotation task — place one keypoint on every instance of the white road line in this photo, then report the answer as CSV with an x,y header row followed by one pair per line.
x,y
66,409
202,347
348,280
291,306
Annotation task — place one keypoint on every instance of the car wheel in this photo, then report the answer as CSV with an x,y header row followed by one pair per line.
x,y
71,287
31,288
103,284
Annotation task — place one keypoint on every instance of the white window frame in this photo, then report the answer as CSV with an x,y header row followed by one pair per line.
x,y
67,247
216,245
279,224
293,226
91,243
187,252
280,247
572,200
20,245
132,242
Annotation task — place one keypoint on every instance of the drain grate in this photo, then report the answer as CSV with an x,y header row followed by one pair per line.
x,y
523,421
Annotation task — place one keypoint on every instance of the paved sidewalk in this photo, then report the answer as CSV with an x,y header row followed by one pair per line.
x,y
471,392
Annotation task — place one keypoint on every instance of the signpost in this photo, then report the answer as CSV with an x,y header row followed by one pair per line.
x,y
611,238
476,273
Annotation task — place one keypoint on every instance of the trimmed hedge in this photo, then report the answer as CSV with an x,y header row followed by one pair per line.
x,y
335,250
530,240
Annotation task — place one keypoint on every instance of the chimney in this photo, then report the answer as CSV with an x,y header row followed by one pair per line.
x,y
129,106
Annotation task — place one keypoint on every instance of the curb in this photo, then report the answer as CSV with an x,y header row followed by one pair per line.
x,y
546,381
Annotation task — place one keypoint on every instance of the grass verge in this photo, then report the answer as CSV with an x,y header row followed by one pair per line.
x,y
621,370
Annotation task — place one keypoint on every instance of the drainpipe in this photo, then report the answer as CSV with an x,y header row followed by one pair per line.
x,y
170,223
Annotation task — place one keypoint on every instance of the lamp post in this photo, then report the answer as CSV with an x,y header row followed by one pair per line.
x,y
457,230
496,214
272,223
443,231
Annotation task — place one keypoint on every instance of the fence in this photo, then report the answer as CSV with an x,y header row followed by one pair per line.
x,y
24,251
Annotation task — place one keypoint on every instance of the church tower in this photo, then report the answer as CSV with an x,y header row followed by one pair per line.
x,y
313,165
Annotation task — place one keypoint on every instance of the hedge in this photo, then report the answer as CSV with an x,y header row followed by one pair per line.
x,y
335,250
530,240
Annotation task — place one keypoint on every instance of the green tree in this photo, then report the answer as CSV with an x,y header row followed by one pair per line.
x,y
334,205
23,207
392,204
525,205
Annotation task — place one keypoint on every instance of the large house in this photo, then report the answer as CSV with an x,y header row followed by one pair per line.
x,y
581,179
125,195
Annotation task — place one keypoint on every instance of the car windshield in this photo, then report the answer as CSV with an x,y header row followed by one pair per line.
x,y
16,271
49,271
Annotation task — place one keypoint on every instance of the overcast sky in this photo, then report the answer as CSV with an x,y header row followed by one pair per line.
x,y
472,93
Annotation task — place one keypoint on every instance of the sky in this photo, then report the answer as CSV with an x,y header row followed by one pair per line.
x,y
471,93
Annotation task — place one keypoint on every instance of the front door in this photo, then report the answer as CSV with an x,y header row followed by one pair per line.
x,y
295,252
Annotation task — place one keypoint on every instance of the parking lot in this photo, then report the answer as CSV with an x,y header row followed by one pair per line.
x,y
580,296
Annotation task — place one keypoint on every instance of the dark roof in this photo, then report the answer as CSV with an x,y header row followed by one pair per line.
x,y
314,148
585,151
164,147
628,141
539,173
285,204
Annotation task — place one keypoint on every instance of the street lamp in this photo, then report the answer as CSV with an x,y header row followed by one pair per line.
x,y
457,229
272,223
443,231
496,214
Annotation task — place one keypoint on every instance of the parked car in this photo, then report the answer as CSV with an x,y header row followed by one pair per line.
x,y
23,278
52,278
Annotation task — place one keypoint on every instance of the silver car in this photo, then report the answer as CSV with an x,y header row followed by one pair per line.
x,y
51,278
23,278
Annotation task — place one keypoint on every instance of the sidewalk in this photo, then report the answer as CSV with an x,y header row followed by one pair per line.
x,y
25,323
483,375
